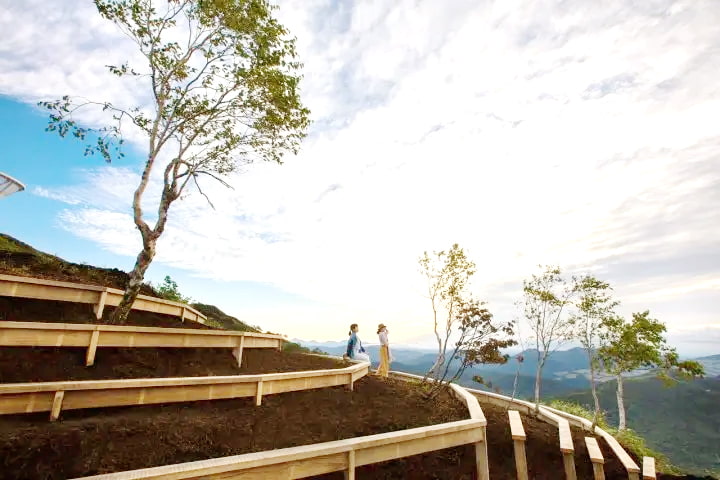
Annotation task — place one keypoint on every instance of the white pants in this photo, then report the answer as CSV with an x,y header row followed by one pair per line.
x,y
363,357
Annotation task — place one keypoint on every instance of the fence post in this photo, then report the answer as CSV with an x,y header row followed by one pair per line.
x,y
100,306
258,395
238,351
57,405
518,435
596,457
92,347
350,472
481,457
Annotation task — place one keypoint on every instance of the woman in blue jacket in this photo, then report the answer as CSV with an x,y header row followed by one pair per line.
x,y
355,349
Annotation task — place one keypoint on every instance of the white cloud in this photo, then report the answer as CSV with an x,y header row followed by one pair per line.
x,y
529,132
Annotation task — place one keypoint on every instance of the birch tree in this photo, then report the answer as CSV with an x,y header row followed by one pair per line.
x,y
447,274
594,304
222,76
545,300
639,343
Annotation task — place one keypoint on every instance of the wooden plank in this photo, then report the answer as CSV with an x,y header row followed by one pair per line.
x,y
569,464
98,309
516,427
627,461
520,459
551,415
566,441
596,457
648,472
56,406
133,329
69,335
351,466
259,393
37,397
598,471
308,460
237,352
594,452
482,463
90,356
43,289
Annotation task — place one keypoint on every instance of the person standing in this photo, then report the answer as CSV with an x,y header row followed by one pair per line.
x,y
385,357
355,349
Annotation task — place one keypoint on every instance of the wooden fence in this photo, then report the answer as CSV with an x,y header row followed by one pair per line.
x,y
342,455
98,297
56,396
36,334
551,415
317,459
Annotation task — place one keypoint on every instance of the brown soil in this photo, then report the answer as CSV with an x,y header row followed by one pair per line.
x,y
109,440
24,364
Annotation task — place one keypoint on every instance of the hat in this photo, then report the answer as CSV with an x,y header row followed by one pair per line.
x,y
380,327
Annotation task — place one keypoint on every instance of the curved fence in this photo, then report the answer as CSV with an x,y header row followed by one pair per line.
x,y
56,396
341,455
98,297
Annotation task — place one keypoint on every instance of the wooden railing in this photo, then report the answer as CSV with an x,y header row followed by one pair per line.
x,y
341,455
549,414
518,435
35,334
56,396
98,297
317,459
596,457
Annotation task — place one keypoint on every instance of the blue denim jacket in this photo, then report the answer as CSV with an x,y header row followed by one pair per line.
x,y
351,345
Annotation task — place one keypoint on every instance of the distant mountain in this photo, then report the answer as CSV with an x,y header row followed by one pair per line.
x,y
683,422
711,364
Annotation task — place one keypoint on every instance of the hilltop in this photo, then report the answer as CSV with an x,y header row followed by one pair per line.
x,y
374,404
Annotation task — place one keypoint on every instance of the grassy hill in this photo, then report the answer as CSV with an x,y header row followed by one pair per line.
x,y
683,422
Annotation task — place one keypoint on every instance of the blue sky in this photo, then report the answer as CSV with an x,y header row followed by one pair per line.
x,y
584,135
44,160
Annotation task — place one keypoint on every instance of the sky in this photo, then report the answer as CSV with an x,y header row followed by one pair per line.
x,y
581,134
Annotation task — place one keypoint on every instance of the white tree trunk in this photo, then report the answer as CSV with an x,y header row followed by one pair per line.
x,y
538,383
620,403
593,388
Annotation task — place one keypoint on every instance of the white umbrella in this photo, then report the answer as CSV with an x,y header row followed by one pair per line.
x,y
8,185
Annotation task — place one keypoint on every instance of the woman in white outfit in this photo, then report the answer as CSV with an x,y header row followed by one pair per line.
x,y
355,349
385,355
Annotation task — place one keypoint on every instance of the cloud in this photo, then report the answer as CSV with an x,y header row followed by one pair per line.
x,y
583,135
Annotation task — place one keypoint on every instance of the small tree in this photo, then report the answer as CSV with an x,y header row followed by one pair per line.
x,y
594,305
448,275
545,298
223,82
639,343
169,291
480,341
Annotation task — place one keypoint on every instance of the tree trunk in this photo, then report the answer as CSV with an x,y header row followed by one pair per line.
x,y
119,316
593,389
620,403
538,383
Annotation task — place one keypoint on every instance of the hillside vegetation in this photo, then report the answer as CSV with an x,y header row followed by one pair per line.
x,y
682,422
